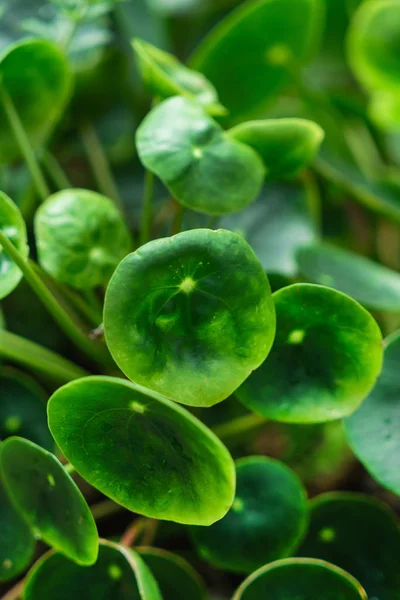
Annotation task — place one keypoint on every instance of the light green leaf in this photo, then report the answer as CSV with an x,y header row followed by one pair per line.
x,y
13,227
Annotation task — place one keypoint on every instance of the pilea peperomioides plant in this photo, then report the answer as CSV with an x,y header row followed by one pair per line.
x,y
190,383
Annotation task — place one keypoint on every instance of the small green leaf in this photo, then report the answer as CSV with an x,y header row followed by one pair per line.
x,y
164,76
48,499
373,45
266,521
300,579
118,574
358,534
201,165
176,578
17,542
325,359
250,55
374,430
190,316
23,409
142,450
81,237
36,76
373,285
12,225
286,146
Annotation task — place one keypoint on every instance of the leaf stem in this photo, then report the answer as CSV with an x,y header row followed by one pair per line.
x,y
239,426
15,592
24,144
147,212
104,509
55,171
178,219
70,469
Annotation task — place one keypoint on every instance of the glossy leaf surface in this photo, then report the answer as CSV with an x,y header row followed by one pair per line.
x,y
143,451
13,227
374,430
48,499
266,521
325,359
285,145
81,237
190,316
301,579
249,55
360,535
36,76
368,282
204,169
119,574
23,409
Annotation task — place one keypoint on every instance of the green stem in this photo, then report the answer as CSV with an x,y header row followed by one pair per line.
x,y
105,508
239,426
59,314
55,171
147,213
15,592
24,144
29,354
70,469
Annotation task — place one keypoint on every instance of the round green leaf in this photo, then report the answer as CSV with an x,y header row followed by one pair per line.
x,y
118,574
17,542
266,521
23,409
300,579
36,76
81,237
13,227
358,534
285,145
143,451
373,45
48,499
371,284
165,76
176,578
204,168
249,55
190,316
325,359
373,431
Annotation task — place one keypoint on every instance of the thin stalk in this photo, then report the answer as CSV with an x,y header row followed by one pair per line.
x,y
104,509
55,171
147,211
131,534
29,354
239,426
24,144
70,469
59,314
178,219
15,592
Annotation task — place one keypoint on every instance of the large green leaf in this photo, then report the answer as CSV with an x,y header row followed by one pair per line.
x,y
48,499
190,316
204,168
300,579
142,450
13,227
374,430
371,284
325,359
250,55
266,522
81,237
360,535
118,574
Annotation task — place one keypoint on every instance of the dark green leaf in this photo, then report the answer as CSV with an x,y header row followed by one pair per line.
x,y
13,227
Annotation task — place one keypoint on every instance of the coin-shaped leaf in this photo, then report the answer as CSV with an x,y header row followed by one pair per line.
x,y
48,499
368,282
36,76
300,579
266,521
249,56
81,237
358,534
118,574
13,227
204,168
285,145
325,359
374,430
23,409
143,451
190,316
